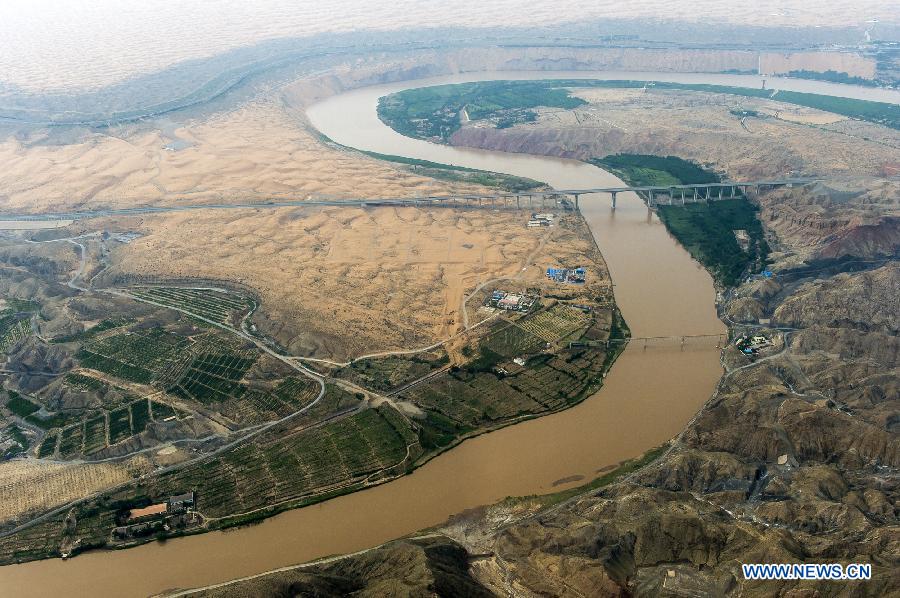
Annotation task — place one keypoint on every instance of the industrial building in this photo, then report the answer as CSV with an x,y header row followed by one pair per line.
x,y
567,275
510,301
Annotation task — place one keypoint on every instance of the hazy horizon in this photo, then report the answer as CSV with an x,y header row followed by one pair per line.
x,y
52,45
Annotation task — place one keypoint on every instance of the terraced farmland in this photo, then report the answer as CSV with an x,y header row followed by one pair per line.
x,y
212,377
13,328
289,467
98,431
491,389
137,356
291,395
386,373
218,306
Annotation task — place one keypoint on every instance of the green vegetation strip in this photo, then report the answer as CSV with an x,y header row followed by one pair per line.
x,y
20,405
707,231
461,174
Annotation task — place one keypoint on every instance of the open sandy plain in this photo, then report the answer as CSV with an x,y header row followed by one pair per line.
x,y
259,150
342,282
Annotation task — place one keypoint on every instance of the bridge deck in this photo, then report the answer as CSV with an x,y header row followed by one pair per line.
x,y
399,201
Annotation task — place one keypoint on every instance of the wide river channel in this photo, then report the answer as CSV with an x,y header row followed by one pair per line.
x,y
648,397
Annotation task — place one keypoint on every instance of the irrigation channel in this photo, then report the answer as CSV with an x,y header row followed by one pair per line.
x,y
648,397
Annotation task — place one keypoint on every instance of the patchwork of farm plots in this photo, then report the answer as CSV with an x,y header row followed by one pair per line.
x,y
106,428
279,468
492,387
556,322
387,373
15,322
136,356
217,306
208,370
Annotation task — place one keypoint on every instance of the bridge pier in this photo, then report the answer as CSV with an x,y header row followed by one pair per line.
x,y
613,193
651,198
696,195
732,191
720,192
576,202
682,196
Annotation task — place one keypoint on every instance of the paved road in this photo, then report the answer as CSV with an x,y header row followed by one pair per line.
x,y
433,200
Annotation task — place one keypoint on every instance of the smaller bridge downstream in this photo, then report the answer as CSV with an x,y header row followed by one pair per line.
x,y
646,341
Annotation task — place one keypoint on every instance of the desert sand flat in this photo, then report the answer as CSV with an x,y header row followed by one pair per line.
x,y
342,282
258,151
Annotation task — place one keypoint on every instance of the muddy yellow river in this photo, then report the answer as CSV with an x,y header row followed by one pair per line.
x,y
649,395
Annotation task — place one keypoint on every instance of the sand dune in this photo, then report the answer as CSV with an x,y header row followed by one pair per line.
x,y
254,152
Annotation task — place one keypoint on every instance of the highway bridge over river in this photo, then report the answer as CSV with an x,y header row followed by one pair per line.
x,y
653,195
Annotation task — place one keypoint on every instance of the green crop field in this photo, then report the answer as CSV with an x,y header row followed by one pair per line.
x,y
162,411
94,434
510,340
20,405
70,440
140,416
289,467
119,425
386,373
47,446
85,383
214,305
136,356
214,378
